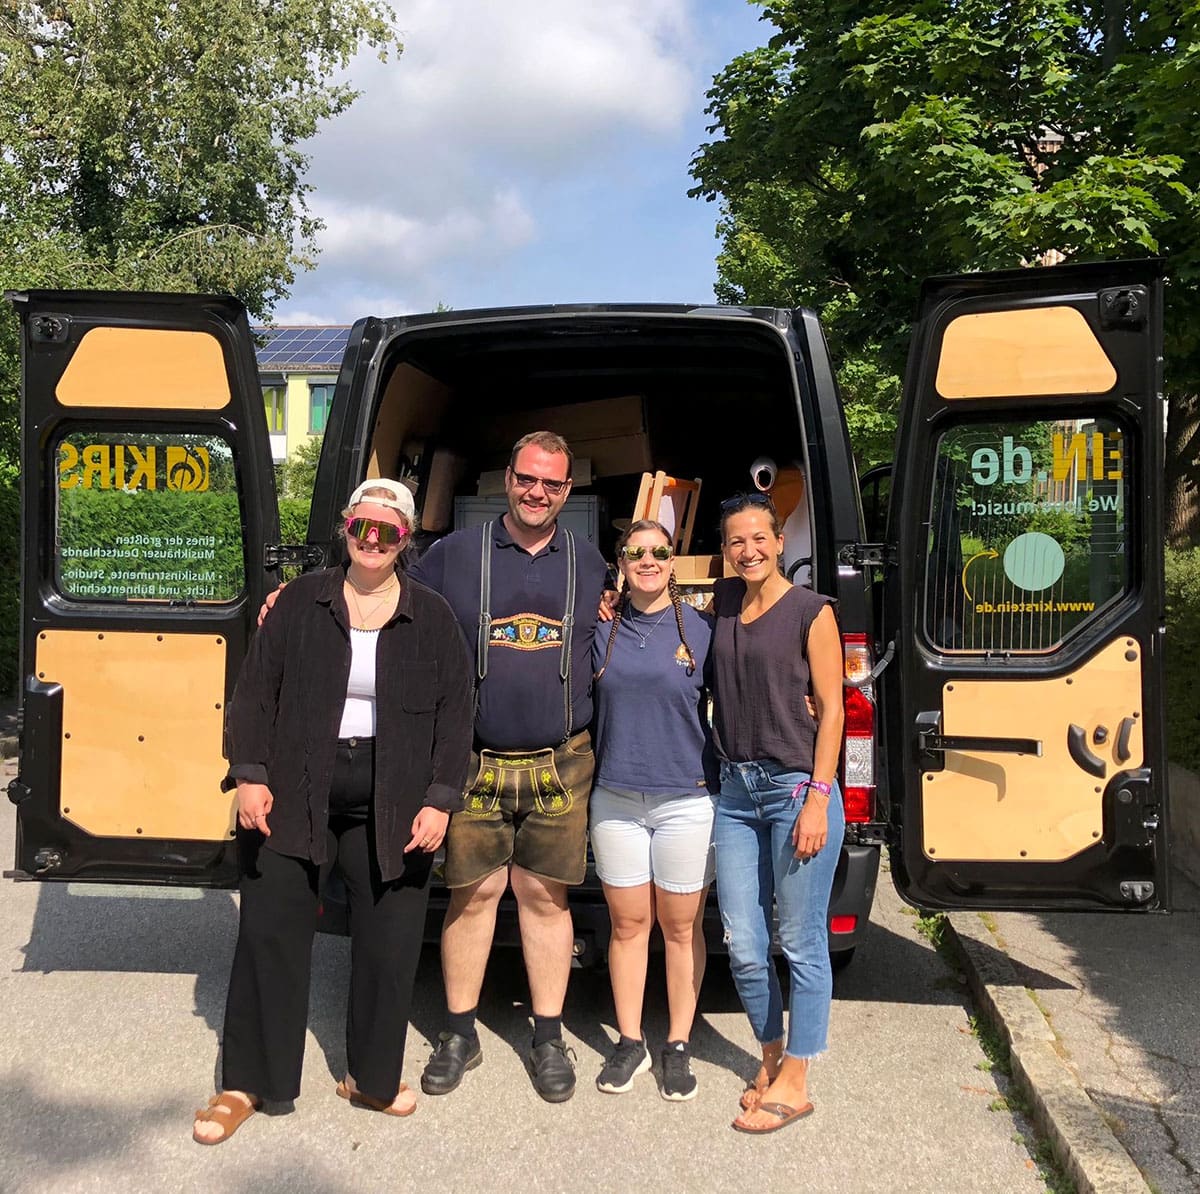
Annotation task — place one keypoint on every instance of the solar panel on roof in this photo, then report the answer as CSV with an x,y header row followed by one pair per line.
x,y
299,344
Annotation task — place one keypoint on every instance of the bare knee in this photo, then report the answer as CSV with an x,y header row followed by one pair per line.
x,y
631,925
478,899
679,916
537,894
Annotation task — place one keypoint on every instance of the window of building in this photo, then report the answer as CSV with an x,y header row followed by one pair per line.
x,y
320,400
275,401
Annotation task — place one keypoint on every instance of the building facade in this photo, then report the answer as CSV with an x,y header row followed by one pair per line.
x,y
297,368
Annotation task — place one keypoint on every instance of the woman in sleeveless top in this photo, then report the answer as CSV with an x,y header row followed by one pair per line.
x,y
779,821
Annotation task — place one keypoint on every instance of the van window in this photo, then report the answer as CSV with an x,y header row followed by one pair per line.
x,y
147,517
1028,533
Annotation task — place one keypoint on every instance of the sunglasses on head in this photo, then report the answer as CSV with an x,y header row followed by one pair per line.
x,y
387,534
528,481
659,551
740,501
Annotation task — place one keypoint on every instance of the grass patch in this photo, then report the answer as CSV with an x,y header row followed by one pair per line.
x,y
998,1059
933,929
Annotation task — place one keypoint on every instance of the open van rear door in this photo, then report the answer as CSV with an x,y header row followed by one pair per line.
x,y
1024,709
147,499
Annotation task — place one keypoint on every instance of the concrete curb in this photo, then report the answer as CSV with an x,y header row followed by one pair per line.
x,y
1082,1141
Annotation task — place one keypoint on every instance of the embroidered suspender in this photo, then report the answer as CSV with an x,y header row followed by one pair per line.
x,y
483,638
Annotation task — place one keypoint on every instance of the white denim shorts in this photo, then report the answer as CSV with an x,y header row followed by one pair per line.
x,y
638,837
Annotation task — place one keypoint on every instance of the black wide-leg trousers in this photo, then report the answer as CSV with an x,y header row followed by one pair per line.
x,y
266,1013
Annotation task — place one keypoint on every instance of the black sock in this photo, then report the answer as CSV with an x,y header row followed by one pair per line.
x,y
631,1040
546,1028
462,1023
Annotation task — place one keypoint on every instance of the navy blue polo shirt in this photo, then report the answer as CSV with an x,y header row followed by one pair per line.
x,y
521,702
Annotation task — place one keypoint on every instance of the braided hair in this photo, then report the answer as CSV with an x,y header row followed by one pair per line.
x,y
646,524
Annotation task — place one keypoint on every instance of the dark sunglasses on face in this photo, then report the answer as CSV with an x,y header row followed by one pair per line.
x,y
528,481
740,501
387,534
660,552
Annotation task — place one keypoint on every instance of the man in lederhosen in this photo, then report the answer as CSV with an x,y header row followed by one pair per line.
x,y
525,592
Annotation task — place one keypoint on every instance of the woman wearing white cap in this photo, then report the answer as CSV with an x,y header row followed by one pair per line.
x,y
348,738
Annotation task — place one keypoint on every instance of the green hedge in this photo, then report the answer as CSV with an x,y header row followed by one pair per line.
x,y
1183,657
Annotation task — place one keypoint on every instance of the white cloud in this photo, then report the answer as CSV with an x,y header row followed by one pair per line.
x,y
453,149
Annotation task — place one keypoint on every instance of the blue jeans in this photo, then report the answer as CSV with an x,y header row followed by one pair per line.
x,y
757,866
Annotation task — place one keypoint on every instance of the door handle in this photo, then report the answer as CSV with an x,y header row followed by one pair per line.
x,y
1123,736
1077,745
930,738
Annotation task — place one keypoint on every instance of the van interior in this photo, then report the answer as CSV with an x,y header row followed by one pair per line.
x,y
695,397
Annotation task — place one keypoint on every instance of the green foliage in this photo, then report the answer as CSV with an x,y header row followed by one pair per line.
x,y
293,519
299,471
871,145
153,146
1183,657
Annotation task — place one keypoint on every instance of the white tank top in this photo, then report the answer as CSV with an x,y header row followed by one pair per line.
x,y
358,715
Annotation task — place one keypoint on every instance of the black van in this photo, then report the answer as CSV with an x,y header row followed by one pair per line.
x,y
1005,727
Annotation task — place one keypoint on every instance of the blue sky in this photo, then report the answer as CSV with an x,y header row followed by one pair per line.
x,y
523,151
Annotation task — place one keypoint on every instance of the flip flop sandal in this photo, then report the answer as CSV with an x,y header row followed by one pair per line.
x,y
356,1098
226,1111
752,1096
782,1112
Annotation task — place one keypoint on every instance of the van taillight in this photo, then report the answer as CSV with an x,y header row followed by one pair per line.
x,y
858,754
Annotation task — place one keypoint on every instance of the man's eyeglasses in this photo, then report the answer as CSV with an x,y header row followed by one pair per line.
x,y
387,534
740,501
528,481
660,552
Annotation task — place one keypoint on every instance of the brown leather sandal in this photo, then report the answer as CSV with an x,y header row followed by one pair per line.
x,y
358,1099
228,1112
752,1095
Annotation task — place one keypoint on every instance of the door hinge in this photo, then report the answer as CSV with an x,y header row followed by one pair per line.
x,y
293,555
1137,891
868,555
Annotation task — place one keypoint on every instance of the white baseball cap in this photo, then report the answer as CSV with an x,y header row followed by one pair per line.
x,y
401,496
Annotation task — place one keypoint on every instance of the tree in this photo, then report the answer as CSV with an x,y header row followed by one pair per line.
x,y
870,145
159,146
300,469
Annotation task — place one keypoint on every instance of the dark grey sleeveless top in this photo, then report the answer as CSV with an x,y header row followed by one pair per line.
x,y
760,677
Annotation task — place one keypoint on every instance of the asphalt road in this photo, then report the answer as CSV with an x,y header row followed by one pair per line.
x,y
112,1001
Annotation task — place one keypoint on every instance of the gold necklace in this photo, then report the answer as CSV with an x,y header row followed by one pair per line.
x,y
369,592
364,618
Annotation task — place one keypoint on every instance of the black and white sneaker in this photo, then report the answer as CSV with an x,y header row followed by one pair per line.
x,y
628,1059
678,1082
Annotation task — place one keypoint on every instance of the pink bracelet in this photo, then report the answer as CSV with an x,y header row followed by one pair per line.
x,y
816,785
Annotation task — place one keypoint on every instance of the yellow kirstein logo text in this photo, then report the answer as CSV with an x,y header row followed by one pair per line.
x,y
133,466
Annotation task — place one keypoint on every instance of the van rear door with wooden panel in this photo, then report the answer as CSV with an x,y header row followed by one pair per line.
x,y
147,497
1024,709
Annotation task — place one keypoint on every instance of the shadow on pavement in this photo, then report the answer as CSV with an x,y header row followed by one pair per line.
x,y
1120,994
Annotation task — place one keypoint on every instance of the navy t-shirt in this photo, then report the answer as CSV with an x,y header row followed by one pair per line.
x,y
651,724
521,702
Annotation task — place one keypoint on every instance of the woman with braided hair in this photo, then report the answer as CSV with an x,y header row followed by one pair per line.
x,y
652,801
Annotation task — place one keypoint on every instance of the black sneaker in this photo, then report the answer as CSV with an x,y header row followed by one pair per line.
x,y
550,1066
627,1060
678,1082
452,1057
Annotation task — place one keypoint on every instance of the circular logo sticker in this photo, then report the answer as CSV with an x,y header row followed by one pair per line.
x,y
1033,561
